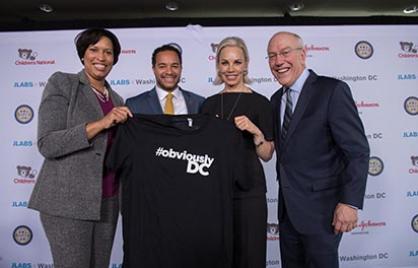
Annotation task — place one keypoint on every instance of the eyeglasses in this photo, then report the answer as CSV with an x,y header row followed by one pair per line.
x,y
285,53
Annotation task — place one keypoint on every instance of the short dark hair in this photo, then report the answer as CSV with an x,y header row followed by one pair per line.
x,y
91,36
168,47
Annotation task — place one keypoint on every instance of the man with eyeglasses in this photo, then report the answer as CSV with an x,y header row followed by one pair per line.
x,y
322,157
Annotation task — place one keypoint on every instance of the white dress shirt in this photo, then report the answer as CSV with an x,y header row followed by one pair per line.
x,y
179,102
296,89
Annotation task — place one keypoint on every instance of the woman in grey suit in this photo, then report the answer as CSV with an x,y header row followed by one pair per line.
x,y
77,197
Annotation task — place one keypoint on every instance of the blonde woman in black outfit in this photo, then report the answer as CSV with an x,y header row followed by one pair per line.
x,y
252,114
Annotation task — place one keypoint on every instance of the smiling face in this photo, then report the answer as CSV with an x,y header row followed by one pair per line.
x,y
98,60
167,70
287,57
231,65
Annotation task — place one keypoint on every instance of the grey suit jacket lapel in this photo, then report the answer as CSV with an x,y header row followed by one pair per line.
x,y
301,105
88,93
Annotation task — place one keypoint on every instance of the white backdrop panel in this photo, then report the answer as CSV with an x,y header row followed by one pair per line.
x,y
380,85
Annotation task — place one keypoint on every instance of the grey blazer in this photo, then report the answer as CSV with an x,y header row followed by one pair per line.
x,y
148,103
69,183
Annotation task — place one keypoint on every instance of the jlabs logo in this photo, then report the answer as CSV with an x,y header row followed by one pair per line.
x,y
30,265
407,77
120,82
21,265
413,253
24,84
22,143
410,134
19,204
412,194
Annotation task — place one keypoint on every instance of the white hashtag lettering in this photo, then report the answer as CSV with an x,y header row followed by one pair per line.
x,y
195,163
159,151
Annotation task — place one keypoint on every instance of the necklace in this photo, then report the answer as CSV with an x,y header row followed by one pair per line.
x,y
103,97
234,106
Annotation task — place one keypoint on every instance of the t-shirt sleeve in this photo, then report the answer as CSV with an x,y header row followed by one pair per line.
x,y
118,155
265,119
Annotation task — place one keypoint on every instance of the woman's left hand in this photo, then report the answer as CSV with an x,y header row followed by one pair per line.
x,y
264,149
242,122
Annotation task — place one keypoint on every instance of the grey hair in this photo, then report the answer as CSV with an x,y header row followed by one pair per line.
x,y
295,35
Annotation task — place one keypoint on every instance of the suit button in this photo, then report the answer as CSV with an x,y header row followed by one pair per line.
x,y
98,154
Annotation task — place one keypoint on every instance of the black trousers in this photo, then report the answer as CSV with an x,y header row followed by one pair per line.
x,y
250,232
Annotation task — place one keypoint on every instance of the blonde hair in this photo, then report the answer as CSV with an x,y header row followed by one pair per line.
x,y
232,41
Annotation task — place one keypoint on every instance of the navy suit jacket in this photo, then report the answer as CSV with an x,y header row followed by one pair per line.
x,y
148,102
324,157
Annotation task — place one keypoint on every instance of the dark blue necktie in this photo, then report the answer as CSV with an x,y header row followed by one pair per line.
x,y
287,113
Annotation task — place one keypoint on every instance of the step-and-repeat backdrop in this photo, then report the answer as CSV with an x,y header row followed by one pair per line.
x,y
380,63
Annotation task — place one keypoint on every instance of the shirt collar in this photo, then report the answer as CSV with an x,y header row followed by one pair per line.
x,y
298,85
163,93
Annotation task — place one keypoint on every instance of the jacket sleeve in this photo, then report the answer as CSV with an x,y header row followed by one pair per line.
x,y
55,137
348,133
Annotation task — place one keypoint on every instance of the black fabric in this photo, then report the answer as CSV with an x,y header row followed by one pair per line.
x,y
258,109
172,217
250,229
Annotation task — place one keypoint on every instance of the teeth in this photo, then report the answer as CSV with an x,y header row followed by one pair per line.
x,y
100,66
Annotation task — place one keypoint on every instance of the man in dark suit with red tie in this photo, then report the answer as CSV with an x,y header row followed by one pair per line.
x,y
322,157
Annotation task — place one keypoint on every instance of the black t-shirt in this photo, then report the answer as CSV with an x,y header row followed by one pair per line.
x,y
259,110
177,181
